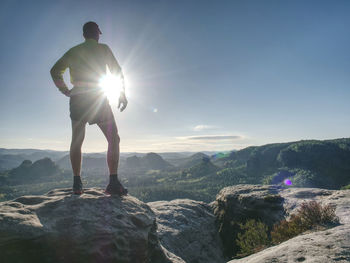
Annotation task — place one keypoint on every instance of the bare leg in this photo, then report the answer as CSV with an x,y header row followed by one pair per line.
x,y
110,131
78,134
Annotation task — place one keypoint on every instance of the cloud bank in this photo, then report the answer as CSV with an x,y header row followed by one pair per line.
x,y
213,137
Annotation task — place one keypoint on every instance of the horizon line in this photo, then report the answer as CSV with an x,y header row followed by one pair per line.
x,y
230,150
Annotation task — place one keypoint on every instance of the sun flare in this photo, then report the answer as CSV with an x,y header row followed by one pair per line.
x,y
111,85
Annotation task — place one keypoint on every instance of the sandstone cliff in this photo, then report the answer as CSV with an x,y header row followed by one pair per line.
x,y
269,204
93,227
187,228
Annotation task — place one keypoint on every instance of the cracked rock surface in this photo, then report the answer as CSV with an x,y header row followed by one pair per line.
x,y
92,227
187,228
330,245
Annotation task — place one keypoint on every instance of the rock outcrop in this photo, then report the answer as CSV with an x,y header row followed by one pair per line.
x,y
238,203
187,228
330,245
93,227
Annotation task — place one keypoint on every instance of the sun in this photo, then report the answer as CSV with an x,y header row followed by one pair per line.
x,y
111,85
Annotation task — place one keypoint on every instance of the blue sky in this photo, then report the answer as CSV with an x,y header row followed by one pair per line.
x,y
201,75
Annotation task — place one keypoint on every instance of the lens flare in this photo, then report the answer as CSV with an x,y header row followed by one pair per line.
x,y
112,86
287,182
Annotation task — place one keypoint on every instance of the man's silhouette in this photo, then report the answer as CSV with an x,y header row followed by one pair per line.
x,y
87,63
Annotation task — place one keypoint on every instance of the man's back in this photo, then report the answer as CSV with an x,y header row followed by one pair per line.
x,y
87,63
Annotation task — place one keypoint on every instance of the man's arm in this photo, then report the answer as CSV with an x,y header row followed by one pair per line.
x,y
115,69
113,65
57,74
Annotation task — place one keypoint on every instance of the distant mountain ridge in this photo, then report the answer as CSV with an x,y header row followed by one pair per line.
x,y
306,163
151,161
11,158
42,170
33,154
190,160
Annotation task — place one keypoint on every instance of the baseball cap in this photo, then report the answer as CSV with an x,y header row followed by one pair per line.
x,y
90,27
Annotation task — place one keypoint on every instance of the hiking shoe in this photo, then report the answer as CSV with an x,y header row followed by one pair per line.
x,y
115,187
77,185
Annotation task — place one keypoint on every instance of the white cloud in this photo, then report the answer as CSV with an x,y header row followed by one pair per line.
x,y
211,137
203,127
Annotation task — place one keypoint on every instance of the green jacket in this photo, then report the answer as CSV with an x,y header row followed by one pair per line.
x,y
87,64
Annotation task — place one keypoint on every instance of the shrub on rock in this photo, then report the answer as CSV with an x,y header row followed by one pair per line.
x,y
253,239
309,215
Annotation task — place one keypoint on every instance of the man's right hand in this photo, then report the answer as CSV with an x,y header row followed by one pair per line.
x,y
122,101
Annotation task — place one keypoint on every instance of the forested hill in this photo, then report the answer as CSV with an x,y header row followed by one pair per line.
x,y
309,163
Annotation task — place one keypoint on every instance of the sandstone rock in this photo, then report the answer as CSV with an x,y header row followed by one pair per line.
x,y
331,245
187,228
93,227
339,198
236,204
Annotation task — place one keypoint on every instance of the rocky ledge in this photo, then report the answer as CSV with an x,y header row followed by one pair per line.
x,y
93,227
270,204
187,228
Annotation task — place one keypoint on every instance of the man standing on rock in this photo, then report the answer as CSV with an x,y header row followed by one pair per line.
x,y
87,64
